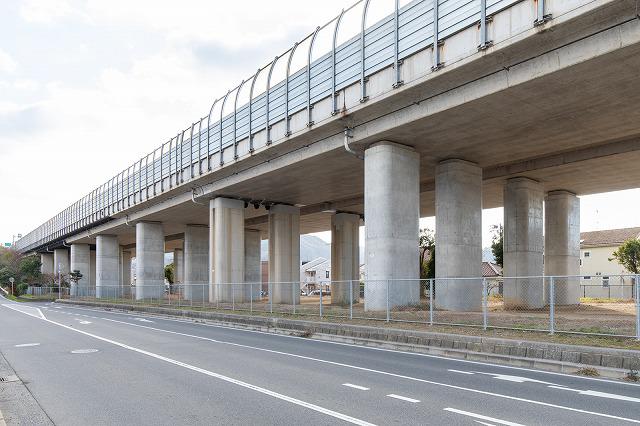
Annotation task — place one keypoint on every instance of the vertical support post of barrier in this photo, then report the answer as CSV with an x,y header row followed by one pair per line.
x,y
233,297
251,298
484,303
293,296
270,291
388,313
320,300
436,48
552,304
351,299
432,283
396,46
217,295
637,308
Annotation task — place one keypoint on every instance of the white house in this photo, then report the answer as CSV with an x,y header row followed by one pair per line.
x,y
599,274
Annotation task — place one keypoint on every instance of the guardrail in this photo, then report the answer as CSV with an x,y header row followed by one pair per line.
x,y
293,82
540,304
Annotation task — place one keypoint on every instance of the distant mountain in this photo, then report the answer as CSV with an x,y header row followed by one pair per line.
x,y
311,247
487,255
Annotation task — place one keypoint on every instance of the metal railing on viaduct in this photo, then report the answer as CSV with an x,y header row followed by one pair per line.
x,y
292,83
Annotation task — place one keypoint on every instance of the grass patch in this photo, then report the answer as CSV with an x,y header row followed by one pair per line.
x,y
603,300
588,371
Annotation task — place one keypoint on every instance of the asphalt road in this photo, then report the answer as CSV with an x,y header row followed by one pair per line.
x,y
92,366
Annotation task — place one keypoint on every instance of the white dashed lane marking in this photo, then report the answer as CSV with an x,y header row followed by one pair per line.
x,y
350,385
481,417
403,398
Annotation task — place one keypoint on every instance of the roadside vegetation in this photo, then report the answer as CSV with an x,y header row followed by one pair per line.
x,y
25,270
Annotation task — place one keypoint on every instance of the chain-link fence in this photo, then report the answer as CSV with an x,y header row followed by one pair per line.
x,y
603,305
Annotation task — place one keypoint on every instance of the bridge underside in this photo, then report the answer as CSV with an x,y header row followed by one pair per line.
x,y
576,129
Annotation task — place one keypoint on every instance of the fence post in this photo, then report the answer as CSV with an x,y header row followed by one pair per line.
x,y
251,298
484,303
351,299
637,308
233,297
431,284
320,300
217,295
270,290
552,304
388,313
293,294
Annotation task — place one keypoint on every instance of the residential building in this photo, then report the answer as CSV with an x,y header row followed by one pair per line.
x,y
600,276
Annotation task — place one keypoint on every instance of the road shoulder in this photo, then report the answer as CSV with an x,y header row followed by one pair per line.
x,y
17,405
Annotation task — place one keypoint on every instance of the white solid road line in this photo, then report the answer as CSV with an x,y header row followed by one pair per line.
x,y
481,417
386,373
597,393
465,361
403,398
259,389
26,345
351,385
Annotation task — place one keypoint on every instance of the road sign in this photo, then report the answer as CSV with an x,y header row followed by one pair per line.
x,y
7,244
12,280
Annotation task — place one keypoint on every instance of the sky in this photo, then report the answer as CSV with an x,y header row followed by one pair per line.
x,y
88,87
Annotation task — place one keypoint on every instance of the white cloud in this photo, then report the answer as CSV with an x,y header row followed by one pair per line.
x,y
7,63
50,11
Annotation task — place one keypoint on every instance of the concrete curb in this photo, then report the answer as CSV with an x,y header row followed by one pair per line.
x,y
610,362
18,406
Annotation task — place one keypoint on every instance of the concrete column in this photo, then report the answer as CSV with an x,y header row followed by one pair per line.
x,y
125,272
228,266
562,245
392,213
196,262
523,243
149,260
92,267
61,262
178,266
284,254
458,235
81,261
107,266
46,263
252,262
345,258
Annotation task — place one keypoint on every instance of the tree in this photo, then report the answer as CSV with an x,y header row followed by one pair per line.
x,y
169,273
427,246
628,255
497,243
22,268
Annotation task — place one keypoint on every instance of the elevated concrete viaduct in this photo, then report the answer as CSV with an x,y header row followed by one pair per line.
x,y
543,112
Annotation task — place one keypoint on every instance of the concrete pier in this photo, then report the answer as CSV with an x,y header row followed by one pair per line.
x,y
392,213
523,243
458,235
562,244
284,254
345,258
92,266
149,260
81,261
61,263
252,275
228,250
107,266
46,263
196,263
178,266
125,272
